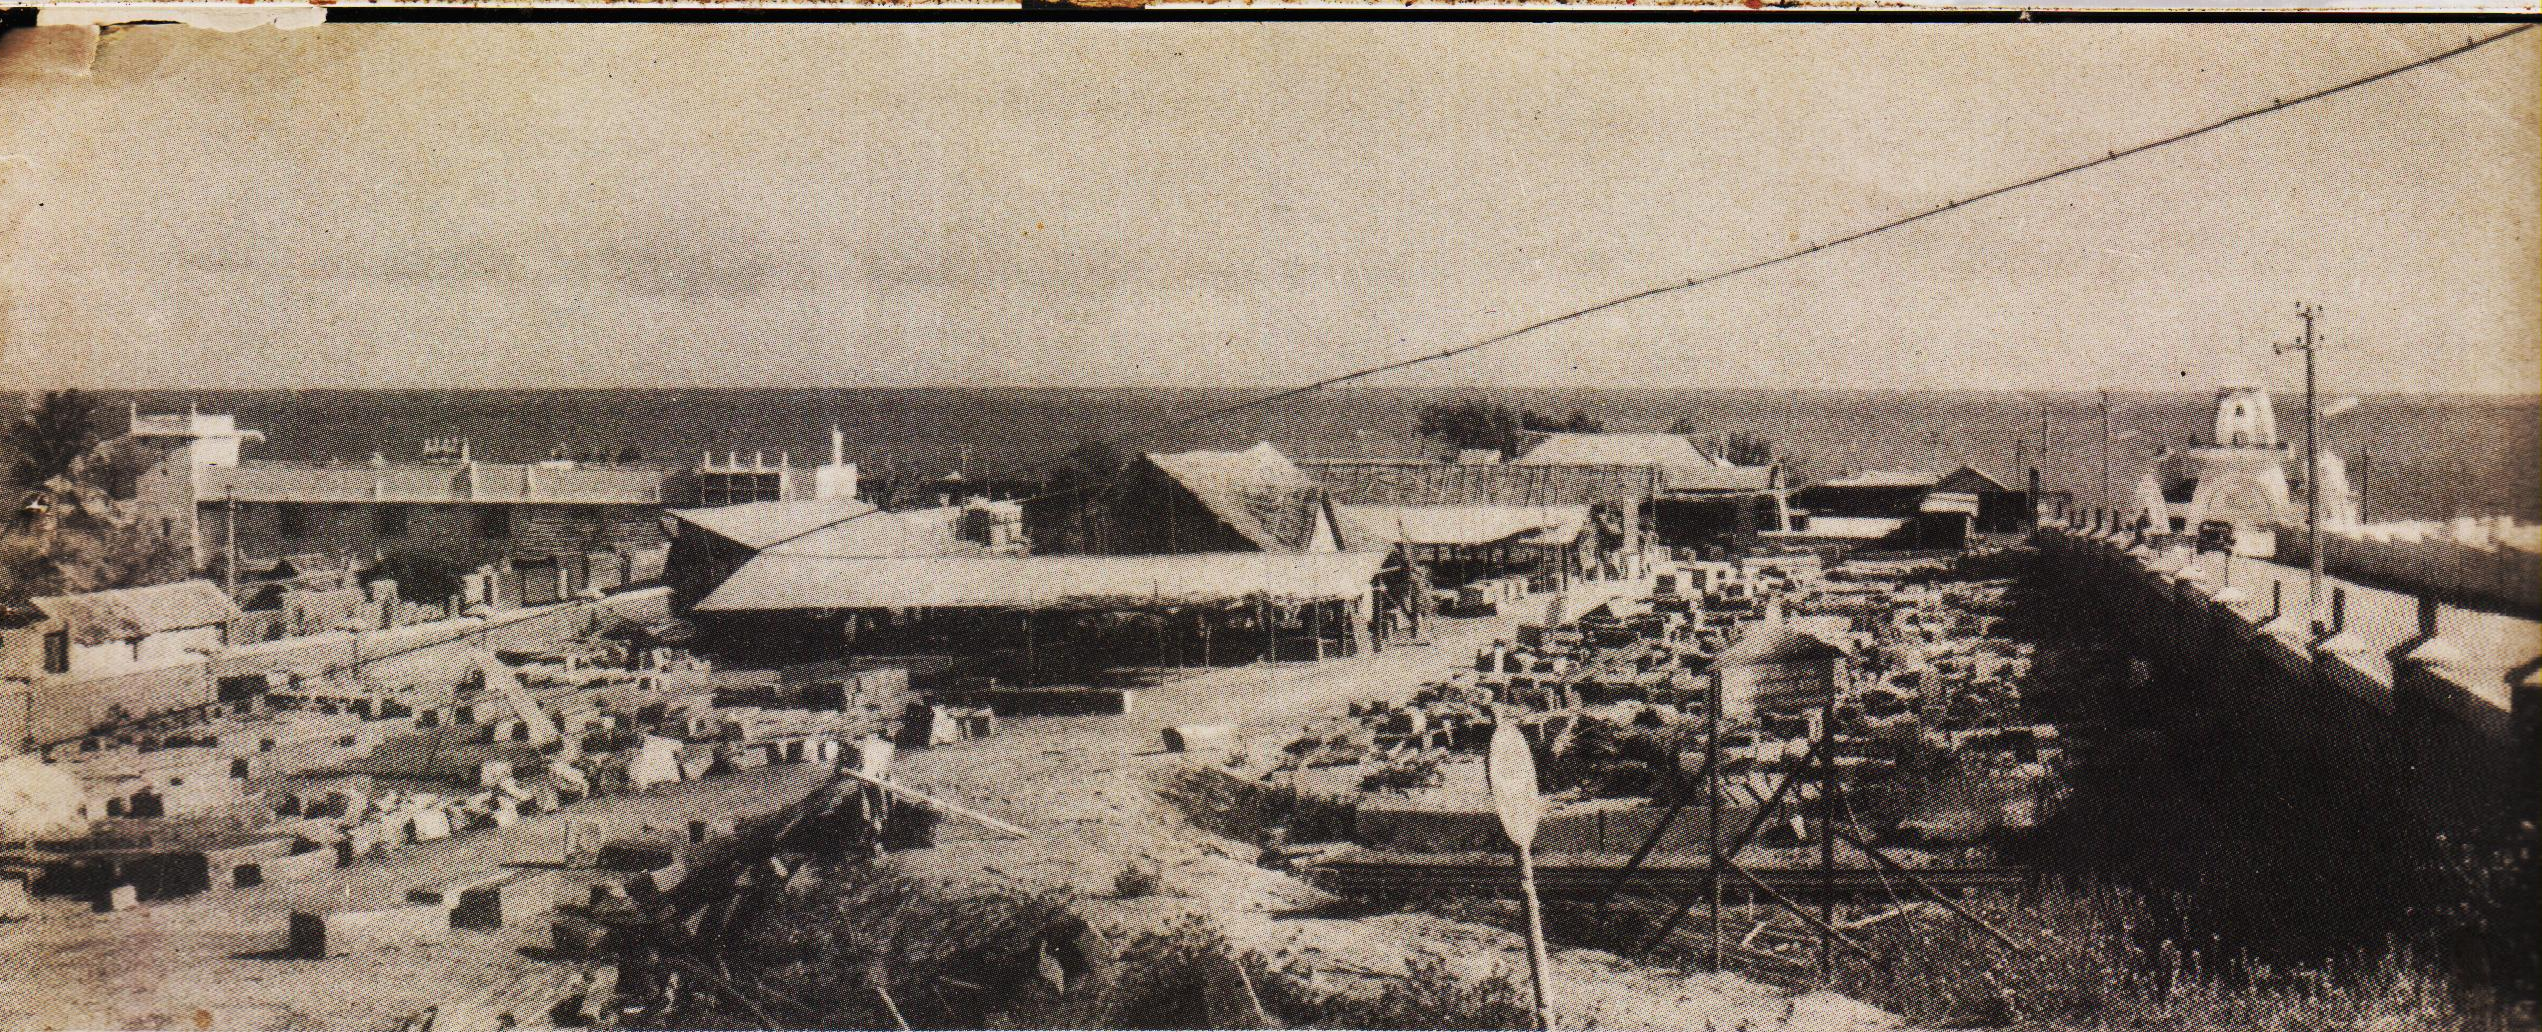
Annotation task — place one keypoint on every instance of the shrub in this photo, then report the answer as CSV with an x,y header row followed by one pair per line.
x,y
1254,812
986,960
1137,882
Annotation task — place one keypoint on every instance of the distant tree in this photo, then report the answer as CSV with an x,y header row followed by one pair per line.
x,y
1474,425
1063,519
630,455
1745,449
115,467
86,560
1583,423
1739,447
49,440
1093,460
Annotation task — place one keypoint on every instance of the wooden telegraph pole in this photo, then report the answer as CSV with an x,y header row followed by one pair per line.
x,y
2312,451
1512,772
1712,813
2107,427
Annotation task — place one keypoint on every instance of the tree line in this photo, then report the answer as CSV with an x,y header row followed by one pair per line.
x,y
1479,425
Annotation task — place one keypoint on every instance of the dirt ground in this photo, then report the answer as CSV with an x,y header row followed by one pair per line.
x,y
216,959
1087,788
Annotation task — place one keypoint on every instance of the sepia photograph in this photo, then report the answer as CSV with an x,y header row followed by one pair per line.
x,y
941,522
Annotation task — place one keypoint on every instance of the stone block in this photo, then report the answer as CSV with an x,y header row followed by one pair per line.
x,y
1212,737
655,762
871,756
635,855
516,898
427,825
15,903
308,864
223,861
576,937
120,897
651,884
445,893
317,936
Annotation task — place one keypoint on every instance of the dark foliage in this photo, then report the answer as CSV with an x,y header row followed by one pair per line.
x,y
1490,426
1253,812
425,577
51,438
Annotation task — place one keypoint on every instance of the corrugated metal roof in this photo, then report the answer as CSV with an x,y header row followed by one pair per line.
x,y
1615,450
762,524
1970,477
434,483
1716,478
785,582
1365,525
1258,493
103,616
1885,478
913,532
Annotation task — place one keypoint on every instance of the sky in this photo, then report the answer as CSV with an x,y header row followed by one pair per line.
x,y
1230,205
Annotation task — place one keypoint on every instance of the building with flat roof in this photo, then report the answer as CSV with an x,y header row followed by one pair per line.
x,y
199,489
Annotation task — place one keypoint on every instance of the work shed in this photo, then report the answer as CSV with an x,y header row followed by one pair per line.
x,y
112,632
1458,544
1057,613
1254,500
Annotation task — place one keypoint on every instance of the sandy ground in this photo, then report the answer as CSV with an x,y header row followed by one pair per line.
x,y
1086,787
215,959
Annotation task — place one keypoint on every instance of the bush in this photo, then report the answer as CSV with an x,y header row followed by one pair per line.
x,y
1428,996
1004,959
1256,813
1137,882
2088,960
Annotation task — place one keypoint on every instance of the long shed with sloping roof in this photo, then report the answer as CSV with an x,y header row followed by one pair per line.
x,y
105,632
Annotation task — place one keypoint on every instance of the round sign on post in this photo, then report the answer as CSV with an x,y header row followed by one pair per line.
x,y
1511,770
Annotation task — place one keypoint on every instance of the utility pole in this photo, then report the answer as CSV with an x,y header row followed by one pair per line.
x,y
229,563
1712,813
2312,450
2106,428
2365,483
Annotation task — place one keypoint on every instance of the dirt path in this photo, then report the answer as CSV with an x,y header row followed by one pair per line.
x,y
1086,786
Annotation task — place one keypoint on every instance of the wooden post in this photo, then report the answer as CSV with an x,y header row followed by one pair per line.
x,y
1827,836
1510,770
1537,961
1712,810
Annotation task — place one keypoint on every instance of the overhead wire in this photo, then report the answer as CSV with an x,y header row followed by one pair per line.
x,y
2275,104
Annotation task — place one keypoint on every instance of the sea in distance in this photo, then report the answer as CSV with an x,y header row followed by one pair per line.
x,y
2426,456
